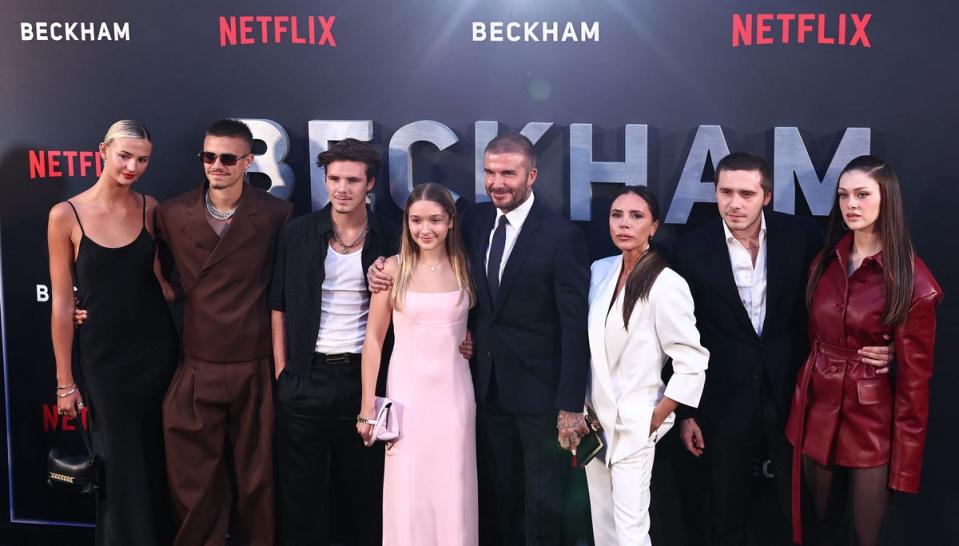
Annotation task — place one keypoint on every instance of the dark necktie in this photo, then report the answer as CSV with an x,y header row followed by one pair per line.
x,y
496,248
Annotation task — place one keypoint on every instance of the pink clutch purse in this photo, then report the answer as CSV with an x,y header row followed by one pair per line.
x,y
386,425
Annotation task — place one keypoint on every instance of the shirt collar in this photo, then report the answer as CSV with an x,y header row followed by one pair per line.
x,y
762,229
844,247
517,216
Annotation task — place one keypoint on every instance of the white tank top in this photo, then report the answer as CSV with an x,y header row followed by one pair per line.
x,y
346,304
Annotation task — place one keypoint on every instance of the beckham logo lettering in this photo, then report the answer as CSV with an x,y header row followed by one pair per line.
x,y
783,28
277,29
535,31
57,31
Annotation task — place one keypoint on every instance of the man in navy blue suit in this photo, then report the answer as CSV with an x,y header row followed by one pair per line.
x,y
531,270
530,267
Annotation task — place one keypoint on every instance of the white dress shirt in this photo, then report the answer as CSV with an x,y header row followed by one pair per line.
x,y
750,280
514,223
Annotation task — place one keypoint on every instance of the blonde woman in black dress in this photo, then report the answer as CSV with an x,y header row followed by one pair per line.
x,y
101,240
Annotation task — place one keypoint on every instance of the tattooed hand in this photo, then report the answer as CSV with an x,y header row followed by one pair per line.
x,y
571,427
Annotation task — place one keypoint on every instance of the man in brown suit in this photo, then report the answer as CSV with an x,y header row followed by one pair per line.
x,y
218,411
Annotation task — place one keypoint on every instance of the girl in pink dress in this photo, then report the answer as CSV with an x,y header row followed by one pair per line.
x,y
429,489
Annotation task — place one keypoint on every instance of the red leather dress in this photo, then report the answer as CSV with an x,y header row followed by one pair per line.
x,y
843,413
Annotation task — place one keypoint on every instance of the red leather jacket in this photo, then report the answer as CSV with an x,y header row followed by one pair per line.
x,y
842,411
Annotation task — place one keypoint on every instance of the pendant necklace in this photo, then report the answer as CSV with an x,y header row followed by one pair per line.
x,y
344,246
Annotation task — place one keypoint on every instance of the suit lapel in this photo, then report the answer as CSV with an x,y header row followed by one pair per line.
x,y
599,312
517,256
241,228
719,259
195,226
478,257
776,255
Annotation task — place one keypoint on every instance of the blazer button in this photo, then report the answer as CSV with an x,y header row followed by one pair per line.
x,y
755,377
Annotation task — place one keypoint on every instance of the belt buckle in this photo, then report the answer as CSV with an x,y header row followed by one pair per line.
x,y
338,359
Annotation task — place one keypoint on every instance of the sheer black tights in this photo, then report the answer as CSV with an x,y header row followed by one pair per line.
x,y
835,490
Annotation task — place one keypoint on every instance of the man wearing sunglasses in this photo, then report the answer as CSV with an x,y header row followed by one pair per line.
x,y
218,411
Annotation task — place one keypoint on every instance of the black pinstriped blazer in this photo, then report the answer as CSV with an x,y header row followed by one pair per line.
x,y
298,275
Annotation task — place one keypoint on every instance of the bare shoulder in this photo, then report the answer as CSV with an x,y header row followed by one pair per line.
x,y
392,266
151,201
62,216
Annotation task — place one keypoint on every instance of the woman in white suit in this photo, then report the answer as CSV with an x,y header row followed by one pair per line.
x,y
640,315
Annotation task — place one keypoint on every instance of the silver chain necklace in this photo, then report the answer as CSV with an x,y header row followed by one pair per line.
x,y
344,246
216,213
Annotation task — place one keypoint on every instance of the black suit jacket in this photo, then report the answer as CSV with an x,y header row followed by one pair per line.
x,y
533,338
739,359
298,275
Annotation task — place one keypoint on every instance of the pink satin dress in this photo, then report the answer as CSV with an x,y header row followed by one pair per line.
x,y
429,489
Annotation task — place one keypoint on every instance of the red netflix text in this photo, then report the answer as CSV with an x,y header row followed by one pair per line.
x,y
57,163
277,29
800,28
53,421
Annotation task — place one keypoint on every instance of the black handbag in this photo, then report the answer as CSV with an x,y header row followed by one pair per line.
x,y
591,445
72,470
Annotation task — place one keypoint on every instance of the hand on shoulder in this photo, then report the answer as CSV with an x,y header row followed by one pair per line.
x,y
391,266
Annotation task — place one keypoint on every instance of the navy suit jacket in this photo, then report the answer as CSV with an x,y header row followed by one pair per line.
x,y
532,339
739,359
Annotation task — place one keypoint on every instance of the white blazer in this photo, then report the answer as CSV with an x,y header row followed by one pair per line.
x,y
626,365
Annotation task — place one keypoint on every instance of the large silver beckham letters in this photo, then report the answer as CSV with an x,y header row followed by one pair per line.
x,y
791,162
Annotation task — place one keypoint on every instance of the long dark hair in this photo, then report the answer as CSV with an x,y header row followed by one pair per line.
x,y
649,265
897,251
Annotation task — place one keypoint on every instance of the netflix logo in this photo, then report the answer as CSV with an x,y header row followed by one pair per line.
x,y
844,29
54,421
59,163
277,29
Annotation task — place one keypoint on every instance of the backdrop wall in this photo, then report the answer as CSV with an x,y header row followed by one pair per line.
x,y
619,91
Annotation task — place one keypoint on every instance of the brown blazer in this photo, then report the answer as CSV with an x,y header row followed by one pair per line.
x,y
225,281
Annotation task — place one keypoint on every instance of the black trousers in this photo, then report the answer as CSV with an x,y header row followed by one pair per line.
x,y
329,486
523,478
729,458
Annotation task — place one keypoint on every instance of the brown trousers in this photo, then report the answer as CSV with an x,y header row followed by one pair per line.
x,y
218,427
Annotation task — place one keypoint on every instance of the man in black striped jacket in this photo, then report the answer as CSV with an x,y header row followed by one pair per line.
x,y
329,486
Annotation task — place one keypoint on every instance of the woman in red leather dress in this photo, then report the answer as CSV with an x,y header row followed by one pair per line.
x,y
862,433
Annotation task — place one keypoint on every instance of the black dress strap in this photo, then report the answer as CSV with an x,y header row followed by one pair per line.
x,y
75,213
144,197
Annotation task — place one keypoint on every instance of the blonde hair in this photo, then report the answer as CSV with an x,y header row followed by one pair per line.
x,y
126,128
410,251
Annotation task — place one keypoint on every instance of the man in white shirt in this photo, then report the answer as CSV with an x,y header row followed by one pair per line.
x,y
747,271
531,271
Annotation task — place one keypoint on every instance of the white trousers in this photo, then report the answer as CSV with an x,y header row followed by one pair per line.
x,y
619,495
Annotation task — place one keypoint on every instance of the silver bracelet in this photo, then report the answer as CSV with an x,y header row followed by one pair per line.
x,y
68,393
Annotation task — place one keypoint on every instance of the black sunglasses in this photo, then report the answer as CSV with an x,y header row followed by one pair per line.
x,y
227,159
